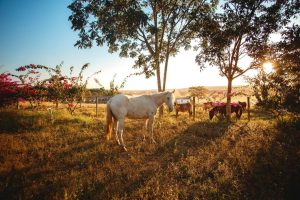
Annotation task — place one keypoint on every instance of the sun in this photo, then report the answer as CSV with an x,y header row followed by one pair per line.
x,y
268,67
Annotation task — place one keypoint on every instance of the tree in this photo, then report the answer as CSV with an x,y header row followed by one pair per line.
x,y
241,29
280,89
150,31
200,92
286,57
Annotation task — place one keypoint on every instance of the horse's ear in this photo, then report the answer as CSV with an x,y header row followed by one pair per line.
x,y
173,91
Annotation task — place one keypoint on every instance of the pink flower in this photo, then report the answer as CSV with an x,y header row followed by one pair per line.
x,y
22,68
67,86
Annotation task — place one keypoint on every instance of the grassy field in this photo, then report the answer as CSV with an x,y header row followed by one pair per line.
x,y
201,159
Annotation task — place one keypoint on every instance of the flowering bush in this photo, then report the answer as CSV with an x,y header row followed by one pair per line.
x,y
34,89
57,88
8,90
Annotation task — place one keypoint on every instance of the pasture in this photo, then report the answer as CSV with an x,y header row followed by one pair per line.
x,y
201,159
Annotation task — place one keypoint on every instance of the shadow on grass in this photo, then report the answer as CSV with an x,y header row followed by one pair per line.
x,y
261,114
15,122
51,176
90,168
184,144
195,136
276,172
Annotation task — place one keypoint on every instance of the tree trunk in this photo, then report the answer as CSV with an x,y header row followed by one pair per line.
x,y
158,79
161,108
228,102
159,89
165,71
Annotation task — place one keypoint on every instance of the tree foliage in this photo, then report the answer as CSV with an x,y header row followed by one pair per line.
x,y
281,88
149,31
199,91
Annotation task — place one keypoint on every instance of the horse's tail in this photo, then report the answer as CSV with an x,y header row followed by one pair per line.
x,y
109,122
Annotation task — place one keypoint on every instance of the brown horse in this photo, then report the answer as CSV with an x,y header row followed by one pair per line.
x,y
208,105
243,104
183,104
183,108
221,109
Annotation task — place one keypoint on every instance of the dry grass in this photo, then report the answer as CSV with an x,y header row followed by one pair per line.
x,y
200,159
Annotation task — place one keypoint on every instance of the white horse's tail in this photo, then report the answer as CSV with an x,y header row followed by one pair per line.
x,y
109,122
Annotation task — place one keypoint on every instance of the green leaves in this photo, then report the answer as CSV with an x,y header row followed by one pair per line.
x,y
148,31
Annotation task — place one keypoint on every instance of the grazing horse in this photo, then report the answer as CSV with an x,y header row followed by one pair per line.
x,y
208,105
243,104
235,107
141,107
183,106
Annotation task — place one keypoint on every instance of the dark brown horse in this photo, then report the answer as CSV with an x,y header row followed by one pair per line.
x,y
183,108
243,104
221,109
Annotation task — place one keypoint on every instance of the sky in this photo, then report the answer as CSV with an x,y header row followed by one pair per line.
x,y
38,32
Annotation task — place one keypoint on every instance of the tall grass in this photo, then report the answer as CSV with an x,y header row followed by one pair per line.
x,y
201,159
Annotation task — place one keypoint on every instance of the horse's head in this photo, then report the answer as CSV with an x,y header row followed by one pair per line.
x,y
211,113
169,99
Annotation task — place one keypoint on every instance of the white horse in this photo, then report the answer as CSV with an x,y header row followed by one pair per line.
x,y
142,107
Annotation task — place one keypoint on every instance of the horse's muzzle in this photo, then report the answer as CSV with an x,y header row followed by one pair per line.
x,y
170,109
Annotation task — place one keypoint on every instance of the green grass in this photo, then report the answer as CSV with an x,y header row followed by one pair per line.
x,y
201,159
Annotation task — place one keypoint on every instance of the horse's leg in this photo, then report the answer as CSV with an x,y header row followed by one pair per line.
x,y
120,130
116,125
150,124
145,130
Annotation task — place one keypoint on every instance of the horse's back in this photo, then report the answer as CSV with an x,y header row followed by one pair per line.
x,y
141,107
132,107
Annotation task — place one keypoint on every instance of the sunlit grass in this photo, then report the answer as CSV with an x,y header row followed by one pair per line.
x,y
69,158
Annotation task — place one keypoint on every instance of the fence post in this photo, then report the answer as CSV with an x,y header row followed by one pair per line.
x,y
194,108
96,106
248,107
